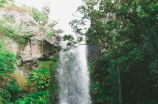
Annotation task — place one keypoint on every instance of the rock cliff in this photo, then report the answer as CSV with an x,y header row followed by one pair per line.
x,y
43,43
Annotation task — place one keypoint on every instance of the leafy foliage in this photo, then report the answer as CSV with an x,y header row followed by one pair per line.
x,y
39,16
127,32
7,60
45,80
42,75
21,81
13,88
5,96
3,2
43,17
35,98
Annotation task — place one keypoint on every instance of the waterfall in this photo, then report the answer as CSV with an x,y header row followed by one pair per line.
x,y
73,76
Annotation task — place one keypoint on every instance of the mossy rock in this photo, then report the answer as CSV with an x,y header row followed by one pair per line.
x,y
50,34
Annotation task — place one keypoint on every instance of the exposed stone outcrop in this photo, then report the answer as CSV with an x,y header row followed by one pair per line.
x,y
39,47
23,21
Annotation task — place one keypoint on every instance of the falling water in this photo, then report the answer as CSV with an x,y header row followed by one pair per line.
x,y
73,76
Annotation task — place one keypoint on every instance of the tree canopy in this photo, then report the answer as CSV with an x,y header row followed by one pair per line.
x,y
126,32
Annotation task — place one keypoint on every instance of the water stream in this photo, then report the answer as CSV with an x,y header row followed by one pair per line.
x,y
73,76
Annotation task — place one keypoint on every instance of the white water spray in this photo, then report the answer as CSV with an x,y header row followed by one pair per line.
x,y
73,76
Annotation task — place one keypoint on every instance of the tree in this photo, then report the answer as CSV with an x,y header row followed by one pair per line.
x,y
127,32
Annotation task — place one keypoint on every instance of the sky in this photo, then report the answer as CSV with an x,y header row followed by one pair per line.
x,y
61,10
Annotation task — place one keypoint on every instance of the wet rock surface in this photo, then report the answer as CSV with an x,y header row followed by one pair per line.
x,y
93,52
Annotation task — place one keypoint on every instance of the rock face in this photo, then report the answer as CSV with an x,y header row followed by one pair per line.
x,y
93,52
39,47
23,21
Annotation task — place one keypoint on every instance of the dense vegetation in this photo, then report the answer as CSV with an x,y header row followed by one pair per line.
x,y
40,85
127,33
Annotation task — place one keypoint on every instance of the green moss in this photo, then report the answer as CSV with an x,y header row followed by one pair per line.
x,y
7,30
50,34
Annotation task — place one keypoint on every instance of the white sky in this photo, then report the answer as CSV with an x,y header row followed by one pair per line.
x,y
61,10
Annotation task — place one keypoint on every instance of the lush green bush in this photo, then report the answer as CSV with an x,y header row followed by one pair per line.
x,y
3,2
41,97
5,97
42,76
7,60
13,88
7,65
21,81
10,93
38,16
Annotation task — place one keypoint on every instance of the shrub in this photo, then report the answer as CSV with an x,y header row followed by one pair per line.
x,y
21,81
4,96
35,98
13,88
7,60
38,16
42,76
